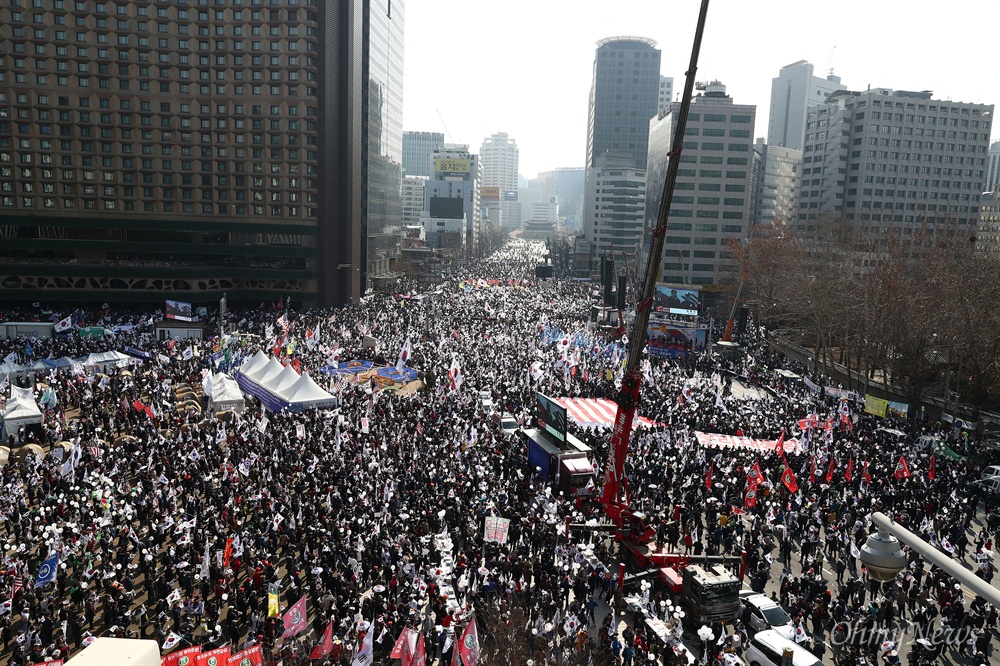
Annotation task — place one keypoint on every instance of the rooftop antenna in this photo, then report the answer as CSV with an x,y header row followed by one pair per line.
x,y
829,61
447,132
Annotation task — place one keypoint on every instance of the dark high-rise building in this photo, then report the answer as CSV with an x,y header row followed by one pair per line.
x,y
383,138
184,150
623,97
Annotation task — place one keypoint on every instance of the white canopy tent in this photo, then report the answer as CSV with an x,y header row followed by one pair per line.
x,y
20,410
226,394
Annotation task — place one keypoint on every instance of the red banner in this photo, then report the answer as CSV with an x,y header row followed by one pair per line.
x,y
250,657
216,657
182,657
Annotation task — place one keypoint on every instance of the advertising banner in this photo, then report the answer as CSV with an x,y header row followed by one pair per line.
x,y
876,406
496,529
732,441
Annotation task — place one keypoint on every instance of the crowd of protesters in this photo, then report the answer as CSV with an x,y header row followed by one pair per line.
x,y
167,523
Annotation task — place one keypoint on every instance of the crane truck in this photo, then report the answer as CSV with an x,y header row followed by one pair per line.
x,y
710,591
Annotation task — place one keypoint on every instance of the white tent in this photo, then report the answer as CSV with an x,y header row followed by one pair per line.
x,y
226,394
256,361
284,381
306,394
266,373
20,410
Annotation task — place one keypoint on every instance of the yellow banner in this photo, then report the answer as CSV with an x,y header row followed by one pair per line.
x,y
272,604
448,165
876,406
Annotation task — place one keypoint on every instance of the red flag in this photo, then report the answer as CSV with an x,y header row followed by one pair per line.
x,y
812,470
325,645
779,447
227,553
294,618
849,474
865,475
149,412
902,471
930,470
754,476
751,498
829,472
419,656
215,657
846,420
708,477
252,656
468,648
137,404
788,478
401,650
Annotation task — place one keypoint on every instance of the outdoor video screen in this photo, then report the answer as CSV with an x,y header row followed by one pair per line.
x,y
677,300
180,311
550,416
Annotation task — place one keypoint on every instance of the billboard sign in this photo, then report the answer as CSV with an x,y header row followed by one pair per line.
x,y
492,193
180,311
510,195
671,341
676,300
550,416
447,166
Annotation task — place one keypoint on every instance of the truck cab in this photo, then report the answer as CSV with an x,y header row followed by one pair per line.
x,y
567,464
710,595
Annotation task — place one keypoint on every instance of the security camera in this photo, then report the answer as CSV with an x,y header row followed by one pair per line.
x,y
882,557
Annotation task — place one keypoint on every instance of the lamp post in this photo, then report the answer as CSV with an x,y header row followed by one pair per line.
x,y
884,559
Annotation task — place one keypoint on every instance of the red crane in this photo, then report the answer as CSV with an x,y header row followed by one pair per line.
x,y
630,526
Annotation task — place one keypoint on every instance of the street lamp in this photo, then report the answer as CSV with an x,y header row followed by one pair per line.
x,y
883,558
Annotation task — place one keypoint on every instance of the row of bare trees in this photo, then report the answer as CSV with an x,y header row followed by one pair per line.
x,y
913,309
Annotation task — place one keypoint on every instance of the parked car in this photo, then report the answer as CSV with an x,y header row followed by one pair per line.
x,y
508,423
767,647
991,472
760,612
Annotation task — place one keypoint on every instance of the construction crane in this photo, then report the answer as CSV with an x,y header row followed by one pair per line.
x,y
447,132
630,527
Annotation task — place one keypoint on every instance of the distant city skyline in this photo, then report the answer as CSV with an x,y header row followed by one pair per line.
x,y
535,87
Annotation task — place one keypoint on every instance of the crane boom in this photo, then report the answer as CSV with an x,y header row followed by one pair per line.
x,y
614,496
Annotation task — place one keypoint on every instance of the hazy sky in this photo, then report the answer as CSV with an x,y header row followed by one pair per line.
x,y
524,66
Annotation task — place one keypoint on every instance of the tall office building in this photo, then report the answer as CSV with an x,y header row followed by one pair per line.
x,y
452,200
894,160
712,201
418,152
666,94
992,183
614,199
382,138
183,151
499,156
777,189
413,200
624,95
793,92
988,235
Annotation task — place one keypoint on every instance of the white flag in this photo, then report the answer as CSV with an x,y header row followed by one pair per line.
x,y
364,655
203,572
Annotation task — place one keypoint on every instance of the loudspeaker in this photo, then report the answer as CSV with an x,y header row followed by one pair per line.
x,y
622,286
543,271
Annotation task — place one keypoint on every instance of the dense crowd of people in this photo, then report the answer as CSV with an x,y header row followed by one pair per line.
x,y
162,521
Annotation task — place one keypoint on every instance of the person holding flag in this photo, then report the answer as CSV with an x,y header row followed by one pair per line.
x,y
404,355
